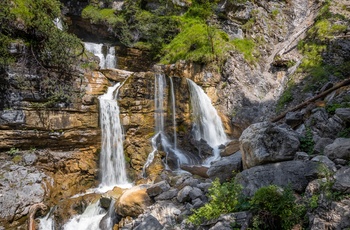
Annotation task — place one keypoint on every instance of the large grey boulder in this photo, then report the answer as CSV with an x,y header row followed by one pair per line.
x,y
342,180
296,174
263,143
321,144
340,148
223,168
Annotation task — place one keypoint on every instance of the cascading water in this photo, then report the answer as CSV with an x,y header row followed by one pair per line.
x,y
160,138
112,161
112,165
207,123
173,110
106,54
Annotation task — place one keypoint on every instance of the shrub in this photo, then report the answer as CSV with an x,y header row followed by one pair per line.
x,y
224,198
307,143
275,208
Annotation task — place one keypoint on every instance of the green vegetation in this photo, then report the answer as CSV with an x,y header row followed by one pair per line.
x,y
307,143
13,151
286,97
49,51
272,207
275,208
171,34
224,198
326,28
16,159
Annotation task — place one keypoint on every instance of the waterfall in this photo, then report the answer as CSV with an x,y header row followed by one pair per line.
x,y
89,220
173,101
207,123
112,162
104,53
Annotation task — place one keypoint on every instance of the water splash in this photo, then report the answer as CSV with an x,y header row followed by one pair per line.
x,y
112,161
106,54
207,123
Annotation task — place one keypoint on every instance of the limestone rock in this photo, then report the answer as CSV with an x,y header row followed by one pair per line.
x,y
224,168
196,170
343,113
263,143
325,160
231,148
321,144
342,180
167,195
184,194
149,223
340,148
294,118
133,202
296,174
158,188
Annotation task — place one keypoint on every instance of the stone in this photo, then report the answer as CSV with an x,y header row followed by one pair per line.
x,y
340,148
294,119
321,144
29,158
149,223
343,113
133,202
325,160
204,186
342,180
167,195
105,202
231,148
158,188
296,174
195,193
197,203
224,168
184,194
196,170
301,156
263,143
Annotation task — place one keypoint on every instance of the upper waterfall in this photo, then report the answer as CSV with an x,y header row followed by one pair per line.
x,y
207,123
106,54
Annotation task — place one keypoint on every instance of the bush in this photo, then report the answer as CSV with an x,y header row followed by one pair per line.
x,y
275,208
224,198
307,143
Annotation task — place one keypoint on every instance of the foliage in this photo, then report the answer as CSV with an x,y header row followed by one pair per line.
x,y
325,30
246,47
276,209
13,151
307,143
285,98
224,198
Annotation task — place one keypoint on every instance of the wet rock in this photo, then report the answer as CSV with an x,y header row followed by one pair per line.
x,y
133,202
149,223
340,148
224,168
296,174
231,148
342,180
204,150
263,143
105,202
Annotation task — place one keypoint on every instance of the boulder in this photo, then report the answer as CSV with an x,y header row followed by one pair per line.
x,y
296,174
184,194
167,195
158,188
321,144
149,223
196,170
133,202
294,118
342,180
343,113
340,148
231,148
263,143
224,168
325,160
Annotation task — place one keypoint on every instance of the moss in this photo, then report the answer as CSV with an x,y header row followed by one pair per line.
x,y
16,159
246,47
